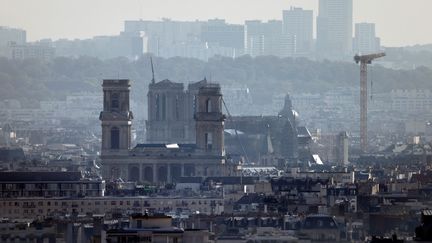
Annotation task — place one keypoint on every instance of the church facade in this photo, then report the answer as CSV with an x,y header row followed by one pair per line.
x,y
171,111
169,115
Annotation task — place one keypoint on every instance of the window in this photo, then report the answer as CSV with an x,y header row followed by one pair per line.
x,y
177,111
163,108
115,104
194,104
209,141
208,106
157,107
115,138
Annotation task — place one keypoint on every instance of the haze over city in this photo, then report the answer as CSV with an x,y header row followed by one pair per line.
x,y
398,22
215,121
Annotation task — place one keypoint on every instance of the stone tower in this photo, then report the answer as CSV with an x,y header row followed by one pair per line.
x,y
166,119
116,117
210,120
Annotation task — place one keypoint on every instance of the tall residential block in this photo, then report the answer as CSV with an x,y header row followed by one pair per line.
x,y
217,31
334,28
266,38
365,40
298,26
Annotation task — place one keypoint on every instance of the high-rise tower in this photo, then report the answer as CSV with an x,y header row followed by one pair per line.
x,y
365,40
334,28
298,27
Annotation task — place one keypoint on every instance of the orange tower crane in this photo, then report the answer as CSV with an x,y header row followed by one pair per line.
x,y
364,60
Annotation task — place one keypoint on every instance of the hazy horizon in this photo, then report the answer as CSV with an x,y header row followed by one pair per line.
x,y
81,19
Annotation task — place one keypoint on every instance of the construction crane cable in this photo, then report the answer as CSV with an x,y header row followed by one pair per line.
x,y
235,131
371,82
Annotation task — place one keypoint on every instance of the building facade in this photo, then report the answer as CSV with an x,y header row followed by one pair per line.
x,y
365,40
34,207
334,28
163,162
48,184
267,38
298,25
171,112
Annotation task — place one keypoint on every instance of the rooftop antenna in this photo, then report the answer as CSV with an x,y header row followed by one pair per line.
x,y
152,69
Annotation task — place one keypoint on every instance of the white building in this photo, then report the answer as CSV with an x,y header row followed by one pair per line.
x,y
298,25
334,28
411,101
365,40
267,38
10,36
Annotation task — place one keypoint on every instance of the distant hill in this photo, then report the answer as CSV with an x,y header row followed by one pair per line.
x,y
410,57
33,80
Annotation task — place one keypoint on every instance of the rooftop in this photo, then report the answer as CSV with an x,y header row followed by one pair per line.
x,y
16,176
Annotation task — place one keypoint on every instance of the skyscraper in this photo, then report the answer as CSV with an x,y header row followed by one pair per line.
x,y
265,38
365,40
334,28
217,31
298,26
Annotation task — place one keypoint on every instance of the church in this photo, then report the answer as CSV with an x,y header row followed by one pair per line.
x,y
172,120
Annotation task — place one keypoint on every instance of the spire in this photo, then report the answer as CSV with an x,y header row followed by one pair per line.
x,y
152,69
288,103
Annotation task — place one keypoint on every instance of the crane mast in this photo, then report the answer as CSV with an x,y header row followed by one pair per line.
x,y
364,60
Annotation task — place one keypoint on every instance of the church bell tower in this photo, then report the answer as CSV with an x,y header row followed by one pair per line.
x,y
116,116
210,120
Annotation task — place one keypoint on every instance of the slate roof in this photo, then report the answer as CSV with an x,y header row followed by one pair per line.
x,y
320,222
11,154
166,83
233,180
19,176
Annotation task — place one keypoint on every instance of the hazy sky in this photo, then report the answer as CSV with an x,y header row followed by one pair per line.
x,y
399,22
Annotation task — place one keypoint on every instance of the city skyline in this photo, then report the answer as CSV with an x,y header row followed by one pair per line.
x,y
81,19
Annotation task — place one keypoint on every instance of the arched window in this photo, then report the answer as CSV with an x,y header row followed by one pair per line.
x,y
115,138
208,106
209,141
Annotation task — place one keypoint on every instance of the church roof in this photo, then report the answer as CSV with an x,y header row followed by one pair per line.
x,y
198,84
161,147
166,84
164,145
